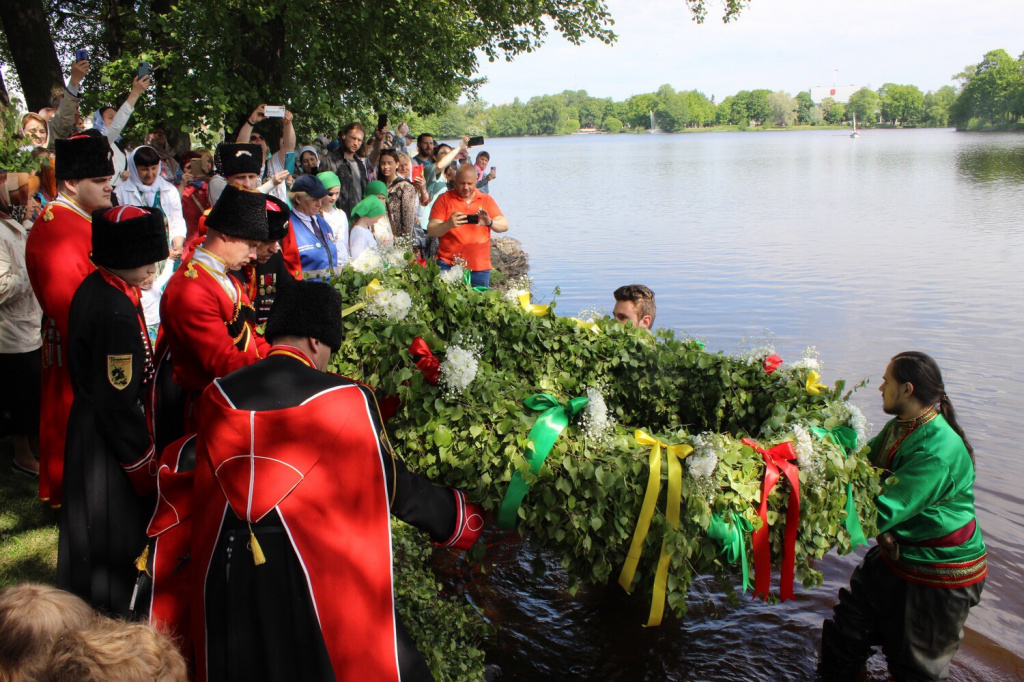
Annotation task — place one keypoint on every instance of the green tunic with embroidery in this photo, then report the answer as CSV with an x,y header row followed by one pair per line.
x,y
929,493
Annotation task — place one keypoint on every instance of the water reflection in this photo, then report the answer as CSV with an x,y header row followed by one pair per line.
x,y
992,164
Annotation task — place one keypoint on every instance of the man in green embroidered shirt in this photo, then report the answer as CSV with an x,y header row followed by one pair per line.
x,y
912,593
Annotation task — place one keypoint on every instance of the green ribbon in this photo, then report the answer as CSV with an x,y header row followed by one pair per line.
x,y
467,277
730,536
853,526
543,435
846,438
843,436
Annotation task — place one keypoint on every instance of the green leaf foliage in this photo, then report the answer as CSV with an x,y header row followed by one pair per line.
x,y
447,631
585,500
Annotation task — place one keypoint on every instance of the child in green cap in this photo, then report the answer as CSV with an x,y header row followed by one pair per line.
x,y
365,215
334,216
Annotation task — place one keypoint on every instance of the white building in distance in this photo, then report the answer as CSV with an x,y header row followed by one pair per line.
x,y
840,93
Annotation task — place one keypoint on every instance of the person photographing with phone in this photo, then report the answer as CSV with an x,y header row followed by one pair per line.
x,y
463,219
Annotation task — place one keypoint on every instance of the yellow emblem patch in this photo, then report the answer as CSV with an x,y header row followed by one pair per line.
x,y
47,215
119,371
190,271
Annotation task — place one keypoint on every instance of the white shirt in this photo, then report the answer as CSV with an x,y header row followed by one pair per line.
x,y
338,221
219,270
359,240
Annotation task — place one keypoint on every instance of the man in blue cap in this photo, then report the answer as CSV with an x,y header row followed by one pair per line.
x,y
311,235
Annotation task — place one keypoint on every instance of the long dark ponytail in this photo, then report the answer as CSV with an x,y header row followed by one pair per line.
x,y
921,370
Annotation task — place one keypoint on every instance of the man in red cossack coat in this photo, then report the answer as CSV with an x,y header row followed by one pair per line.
x,y
208,322
57,258
295,486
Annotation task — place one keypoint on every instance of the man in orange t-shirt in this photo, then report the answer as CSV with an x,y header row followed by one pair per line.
x,y
464,218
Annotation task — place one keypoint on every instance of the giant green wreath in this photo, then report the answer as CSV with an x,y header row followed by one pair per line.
x,y
585,501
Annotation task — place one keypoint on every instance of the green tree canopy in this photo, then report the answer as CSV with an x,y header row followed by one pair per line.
x,y
783,108
993,90
759,111
864,105
216,61
937,105
612,124
804,104
901,104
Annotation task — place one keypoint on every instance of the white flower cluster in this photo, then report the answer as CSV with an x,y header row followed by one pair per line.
x,y
394,256
517,286
753,351
458,369
807,458
453,277
512,295
591,314
596,421
368,261
809,360
702,461
855,419
394,305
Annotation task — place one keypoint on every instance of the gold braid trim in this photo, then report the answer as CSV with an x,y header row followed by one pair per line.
x,y
947,575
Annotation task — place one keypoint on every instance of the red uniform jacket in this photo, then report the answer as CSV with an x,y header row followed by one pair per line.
x,y
57,257
194,204
290,251
206,333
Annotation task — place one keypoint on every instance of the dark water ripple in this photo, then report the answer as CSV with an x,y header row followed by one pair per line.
x,y
861,248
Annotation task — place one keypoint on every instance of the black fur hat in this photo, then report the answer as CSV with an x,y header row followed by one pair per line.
x,y
240,213
239,158
306,308
127,237
278,215
84,155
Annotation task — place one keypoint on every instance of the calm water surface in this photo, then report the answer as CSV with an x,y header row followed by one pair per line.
x,y
862,248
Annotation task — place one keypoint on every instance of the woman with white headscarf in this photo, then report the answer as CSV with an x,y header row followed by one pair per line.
x,y
147,188
309,161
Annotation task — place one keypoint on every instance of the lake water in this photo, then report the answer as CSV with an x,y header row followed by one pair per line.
x,y
861,248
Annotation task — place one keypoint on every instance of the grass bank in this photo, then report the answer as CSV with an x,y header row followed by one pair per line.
x,y
28,528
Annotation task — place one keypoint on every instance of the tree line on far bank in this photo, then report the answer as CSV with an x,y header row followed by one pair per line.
x,y
990,95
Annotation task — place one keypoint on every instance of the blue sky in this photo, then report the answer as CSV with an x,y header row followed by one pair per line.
x,y
776,44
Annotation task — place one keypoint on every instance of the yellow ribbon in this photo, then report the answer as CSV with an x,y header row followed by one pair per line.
x,y
532,308
813,385
371,290
676,453
592,326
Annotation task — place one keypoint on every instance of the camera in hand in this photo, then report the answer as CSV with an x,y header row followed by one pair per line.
x,y
81,55
475,141
382,121
473,219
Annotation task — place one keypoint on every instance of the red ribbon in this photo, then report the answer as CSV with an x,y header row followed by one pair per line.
x,y
776,458
425,360
772,363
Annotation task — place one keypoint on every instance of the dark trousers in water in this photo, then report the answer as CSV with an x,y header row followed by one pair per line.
x,y
919,628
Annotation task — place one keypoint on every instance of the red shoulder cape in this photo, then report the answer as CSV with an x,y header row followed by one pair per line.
x,y
320,466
